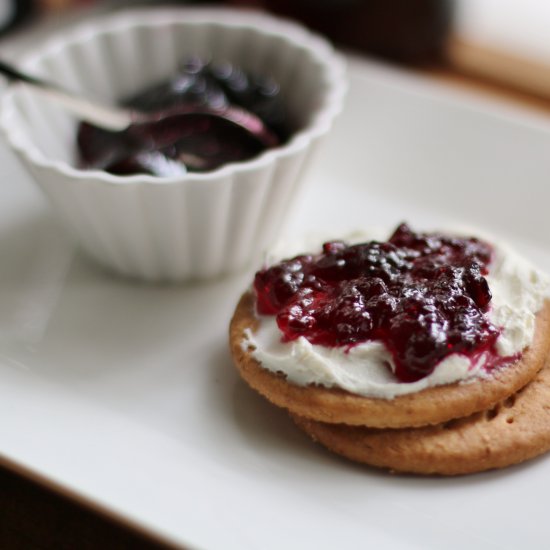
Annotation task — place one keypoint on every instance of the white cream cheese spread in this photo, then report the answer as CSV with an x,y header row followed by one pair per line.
x,y
518,291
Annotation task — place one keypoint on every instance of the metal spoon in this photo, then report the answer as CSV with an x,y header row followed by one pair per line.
x,y
107,117
118,119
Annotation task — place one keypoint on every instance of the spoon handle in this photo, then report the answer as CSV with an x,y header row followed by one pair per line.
x,y
109,118
13,74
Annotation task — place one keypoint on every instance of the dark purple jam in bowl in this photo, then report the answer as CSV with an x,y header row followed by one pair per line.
x,y
202,104
424,295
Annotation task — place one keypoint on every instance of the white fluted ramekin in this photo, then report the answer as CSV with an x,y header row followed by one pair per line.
x,y
196,225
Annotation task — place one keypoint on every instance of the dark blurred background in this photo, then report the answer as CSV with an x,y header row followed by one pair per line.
x,y
409,31
501,42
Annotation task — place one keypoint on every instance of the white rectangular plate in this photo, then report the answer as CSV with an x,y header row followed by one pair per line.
x,y
125,395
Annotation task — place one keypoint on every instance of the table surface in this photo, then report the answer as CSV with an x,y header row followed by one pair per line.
x,y
35,516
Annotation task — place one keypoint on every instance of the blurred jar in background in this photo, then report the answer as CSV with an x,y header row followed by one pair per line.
x,y
408,31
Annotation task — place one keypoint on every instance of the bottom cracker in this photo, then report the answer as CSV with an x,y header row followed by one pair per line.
x,y
516,430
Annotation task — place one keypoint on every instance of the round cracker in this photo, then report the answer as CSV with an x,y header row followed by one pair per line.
x,y
430,406
516,430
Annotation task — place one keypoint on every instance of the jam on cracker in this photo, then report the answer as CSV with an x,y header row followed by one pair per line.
x,y
424,295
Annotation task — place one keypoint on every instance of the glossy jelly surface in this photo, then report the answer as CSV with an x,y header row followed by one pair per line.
x,y
211,114
424,295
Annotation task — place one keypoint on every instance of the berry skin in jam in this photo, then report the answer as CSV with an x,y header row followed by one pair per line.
x,y
424,295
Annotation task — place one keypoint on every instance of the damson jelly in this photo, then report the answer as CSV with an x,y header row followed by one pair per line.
x,y
424,295
217,114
